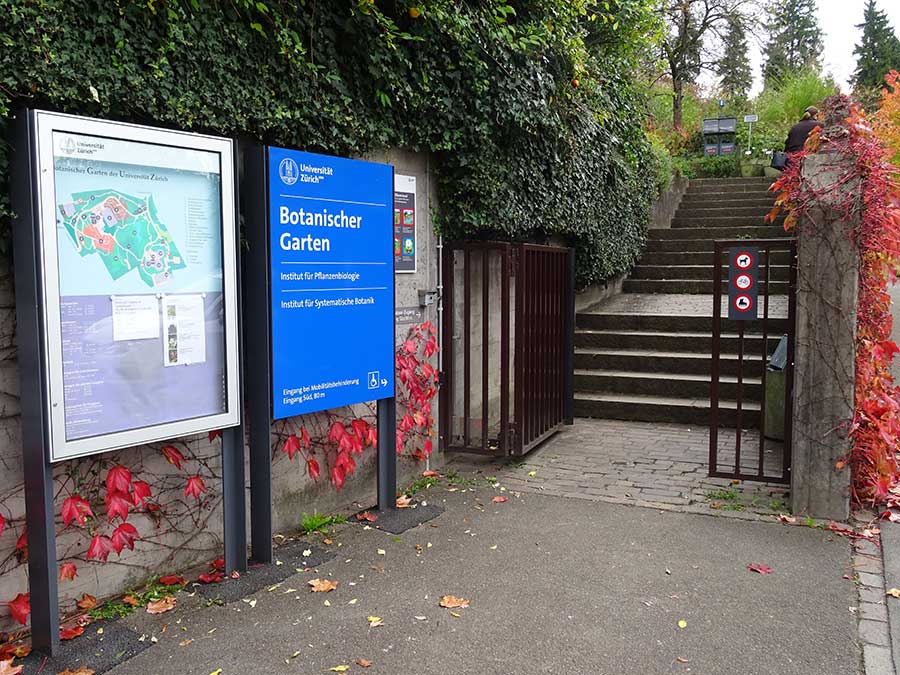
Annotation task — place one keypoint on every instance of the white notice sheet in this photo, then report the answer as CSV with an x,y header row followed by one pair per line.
x,y
184,330
135,317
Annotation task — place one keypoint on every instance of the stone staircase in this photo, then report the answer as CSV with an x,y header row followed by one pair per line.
x,y
646,354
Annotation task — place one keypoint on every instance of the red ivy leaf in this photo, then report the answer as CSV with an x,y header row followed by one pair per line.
x,y
71,632
337,477
20,607
100,548
2,524
141,492
291,446
173,456
336,433
173,580
760,569
124,536
218,564
76,508
213,435
117,504
68,572
212,577
195,487
118,479
22,544
305,437
313,467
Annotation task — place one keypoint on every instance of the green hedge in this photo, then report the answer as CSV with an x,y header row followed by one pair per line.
x,y
536,134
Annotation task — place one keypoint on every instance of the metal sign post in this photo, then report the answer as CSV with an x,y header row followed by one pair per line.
x,y
743,275
114,192
749,120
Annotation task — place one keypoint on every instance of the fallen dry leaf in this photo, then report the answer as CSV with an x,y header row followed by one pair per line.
x,y
403,502
161,605
71,632
321,585
363,663
760,569
430,474
499,499
374,621
87,602
131,600
452,602
893,592
786,519
681,659
890,516
185,643
368,516
7,668
80,671
327,542
339,669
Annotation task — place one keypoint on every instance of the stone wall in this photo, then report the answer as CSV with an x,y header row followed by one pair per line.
x,y
183,533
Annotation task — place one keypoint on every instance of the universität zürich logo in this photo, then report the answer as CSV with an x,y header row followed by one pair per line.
x,y
288,171
67,145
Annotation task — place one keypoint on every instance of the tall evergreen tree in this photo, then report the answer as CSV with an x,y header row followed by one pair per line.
x,y
879,50
795,39
733,69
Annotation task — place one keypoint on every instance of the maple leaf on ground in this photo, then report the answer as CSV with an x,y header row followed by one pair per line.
x,y
162,605
339,669
87,602
431,474
10,651
786,519
173,456
68,571
118,479
363,663
893,592
71,632
499,499
403,502
368,516
452,602
760,569
76,508
123,536
131,601
890,516
321,585
218,564
173,580
100,548
81,671
7,668
20,607
195,487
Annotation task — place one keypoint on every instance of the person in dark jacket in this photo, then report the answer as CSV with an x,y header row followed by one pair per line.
x,y
800,131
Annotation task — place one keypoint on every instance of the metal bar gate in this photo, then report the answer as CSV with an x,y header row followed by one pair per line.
x,y
508,373
750,437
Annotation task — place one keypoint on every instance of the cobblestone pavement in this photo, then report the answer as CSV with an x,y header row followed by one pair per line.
x,y
873,630
646,464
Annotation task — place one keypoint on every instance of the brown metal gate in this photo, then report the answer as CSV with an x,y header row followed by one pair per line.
x,y
740,444
508,342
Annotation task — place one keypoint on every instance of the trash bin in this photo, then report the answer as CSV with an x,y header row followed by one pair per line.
x,y
774,394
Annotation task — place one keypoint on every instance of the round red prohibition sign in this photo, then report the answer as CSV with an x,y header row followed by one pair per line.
x,y
744,260
743,281
743,303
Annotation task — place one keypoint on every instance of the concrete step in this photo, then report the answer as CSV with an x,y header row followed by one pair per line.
x,y
691,245
702,272
688,211
725,231
660,409
723,199
671,341
653,361
670,385
667,258
693,286
726,221
668,322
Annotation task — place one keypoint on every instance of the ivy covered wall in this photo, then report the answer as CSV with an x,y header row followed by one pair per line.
x,y
526,104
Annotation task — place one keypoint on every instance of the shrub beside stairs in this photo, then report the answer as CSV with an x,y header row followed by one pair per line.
x,y
646,354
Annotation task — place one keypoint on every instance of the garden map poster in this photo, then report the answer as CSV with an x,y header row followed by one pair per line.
x,y
139,248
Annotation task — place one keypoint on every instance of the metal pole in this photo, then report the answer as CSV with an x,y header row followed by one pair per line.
x,y
258,365
234,507
569,337
387,455
39,509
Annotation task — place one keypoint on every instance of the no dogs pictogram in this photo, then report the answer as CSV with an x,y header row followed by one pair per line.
x,y
744,260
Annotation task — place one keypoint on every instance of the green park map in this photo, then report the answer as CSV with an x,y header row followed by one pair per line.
x,y
125,231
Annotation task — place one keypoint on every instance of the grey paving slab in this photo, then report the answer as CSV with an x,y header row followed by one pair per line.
x,y
555,585
890,544
676,303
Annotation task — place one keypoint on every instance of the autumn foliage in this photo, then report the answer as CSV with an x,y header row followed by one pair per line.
x,y
886,121
874,208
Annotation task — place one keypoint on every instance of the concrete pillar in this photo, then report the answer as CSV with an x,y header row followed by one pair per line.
x,y
825,347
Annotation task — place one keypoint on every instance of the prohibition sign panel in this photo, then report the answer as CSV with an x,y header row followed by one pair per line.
x,y
743,274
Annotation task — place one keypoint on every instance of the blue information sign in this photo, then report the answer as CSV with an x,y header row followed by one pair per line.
x,y
332,281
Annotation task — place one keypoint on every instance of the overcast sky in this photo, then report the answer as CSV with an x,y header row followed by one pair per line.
x,y
838,20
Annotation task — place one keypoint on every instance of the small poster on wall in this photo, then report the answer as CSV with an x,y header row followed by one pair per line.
x,y
404,224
